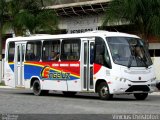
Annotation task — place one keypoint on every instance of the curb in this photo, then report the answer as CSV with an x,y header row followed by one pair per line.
x,y
6,87
155,93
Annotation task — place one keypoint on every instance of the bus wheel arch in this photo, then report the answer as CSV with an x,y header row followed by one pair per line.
x,y
98,83
35,84
103,90
32,81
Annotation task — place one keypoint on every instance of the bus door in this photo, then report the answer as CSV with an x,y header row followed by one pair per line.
x,y
19,64
87,57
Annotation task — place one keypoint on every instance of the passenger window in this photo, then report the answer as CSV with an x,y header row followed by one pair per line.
x,y
101,53
51,50
11,51
33,52
70,49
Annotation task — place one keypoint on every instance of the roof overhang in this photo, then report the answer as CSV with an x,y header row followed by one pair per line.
x,y
80,8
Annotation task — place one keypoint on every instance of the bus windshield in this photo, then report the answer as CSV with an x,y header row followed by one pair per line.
x,y
130,52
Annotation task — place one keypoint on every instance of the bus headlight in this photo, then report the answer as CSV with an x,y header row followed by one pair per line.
x,y
123,79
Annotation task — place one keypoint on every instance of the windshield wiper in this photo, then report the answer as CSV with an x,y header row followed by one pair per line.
x,y
142,59
130,61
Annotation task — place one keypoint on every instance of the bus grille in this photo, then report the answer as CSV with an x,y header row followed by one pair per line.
x,y
133,88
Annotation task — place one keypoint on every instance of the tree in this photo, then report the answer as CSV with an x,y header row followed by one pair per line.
x,y
25,15
2,17
144,14
30,15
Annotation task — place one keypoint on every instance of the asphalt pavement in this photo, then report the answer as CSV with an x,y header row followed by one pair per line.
x,y
23,102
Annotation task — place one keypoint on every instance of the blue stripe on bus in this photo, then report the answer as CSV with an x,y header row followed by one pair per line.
x,y
30,70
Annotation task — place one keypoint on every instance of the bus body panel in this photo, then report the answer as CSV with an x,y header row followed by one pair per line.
x,y
55,75
130,77
109,75
27,82
9,74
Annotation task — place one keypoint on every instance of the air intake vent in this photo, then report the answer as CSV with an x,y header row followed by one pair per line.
x,y
143,88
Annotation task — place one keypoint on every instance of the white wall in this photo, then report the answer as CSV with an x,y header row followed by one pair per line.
x,y
156,59
156,63
80,22
154,45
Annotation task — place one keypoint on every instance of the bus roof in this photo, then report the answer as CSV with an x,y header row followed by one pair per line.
x,y
77,35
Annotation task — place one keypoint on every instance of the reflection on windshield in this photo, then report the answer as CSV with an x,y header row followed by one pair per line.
x,y
129,52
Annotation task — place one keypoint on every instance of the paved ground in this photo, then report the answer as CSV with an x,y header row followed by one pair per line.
x,y
20,101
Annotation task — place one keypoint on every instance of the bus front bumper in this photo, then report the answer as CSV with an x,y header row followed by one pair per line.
x,y
130,88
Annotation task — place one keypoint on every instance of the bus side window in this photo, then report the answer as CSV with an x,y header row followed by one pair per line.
x,y
11,51
70,49
101,53
51,50
33,52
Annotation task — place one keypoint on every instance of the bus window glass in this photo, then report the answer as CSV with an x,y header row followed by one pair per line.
x,y
18,53
131,52
51,50
101,53
11,52
33,52
91,53
70,49
85,53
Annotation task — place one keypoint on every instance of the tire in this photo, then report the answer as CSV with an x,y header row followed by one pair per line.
x,y
103,91
37,89
69,93
140,96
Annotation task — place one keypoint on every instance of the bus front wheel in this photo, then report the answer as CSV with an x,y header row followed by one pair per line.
x,y
140,96
103,91
37,89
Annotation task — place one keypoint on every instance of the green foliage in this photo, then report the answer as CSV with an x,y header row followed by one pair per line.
x,y
2,12
29,15
2,84
144,14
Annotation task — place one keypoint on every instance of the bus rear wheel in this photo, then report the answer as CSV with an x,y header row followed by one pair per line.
x,y
140,96
37,89
69,93
103,91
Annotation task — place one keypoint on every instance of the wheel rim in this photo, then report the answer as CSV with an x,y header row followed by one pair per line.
x,y
104,91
